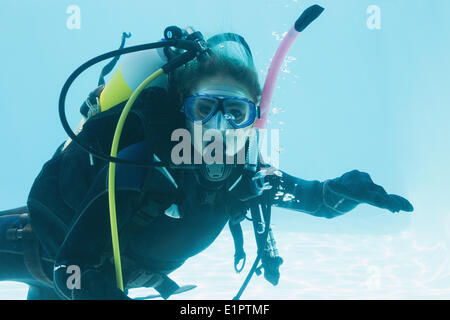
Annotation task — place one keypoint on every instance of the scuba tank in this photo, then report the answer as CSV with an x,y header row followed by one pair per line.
x,y
133,69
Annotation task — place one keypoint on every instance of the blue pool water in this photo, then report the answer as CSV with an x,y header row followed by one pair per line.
x,y
357,91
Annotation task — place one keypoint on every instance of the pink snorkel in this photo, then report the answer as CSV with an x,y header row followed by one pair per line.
x,y
308,16
263,225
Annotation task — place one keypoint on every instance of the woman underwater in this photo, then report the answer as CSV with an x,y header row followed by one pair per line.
x,y
164,215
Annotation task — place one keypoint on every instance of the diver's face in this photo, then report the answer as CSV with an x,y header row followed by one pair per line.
x,y
225,106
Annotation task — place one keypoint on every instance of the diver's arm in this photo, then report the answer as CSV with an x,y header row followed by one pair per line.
x,y
306,196
333,197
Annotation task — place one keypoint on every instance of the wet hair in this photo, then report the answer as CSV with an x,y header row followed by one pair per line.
x,y
223,62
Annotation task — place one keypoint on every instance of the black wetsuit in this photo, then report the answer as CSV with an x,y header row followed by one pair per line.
x,y
153,243
164,217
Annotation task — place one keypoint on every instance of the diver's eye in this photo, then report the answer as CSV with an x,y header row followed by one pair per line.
x,y
203,107
204,110
238,115
238,110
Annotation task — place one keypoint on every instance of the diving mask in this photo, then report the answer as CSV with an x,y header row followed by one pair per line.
x,y
222,107
224,112
239,112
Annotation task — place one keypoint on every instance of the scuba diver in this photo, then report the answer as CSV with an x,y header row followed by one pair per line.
x,y
164,214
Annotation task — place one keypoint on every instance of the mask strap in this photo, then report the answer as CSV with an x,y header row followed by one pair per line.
x,y
223,37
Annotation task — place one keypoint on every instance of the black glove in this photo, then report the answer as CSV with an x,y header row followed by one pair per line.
x,y
354,187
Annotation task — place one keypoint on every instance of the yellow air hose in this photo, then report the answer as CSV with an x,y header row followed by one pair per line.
x,y
112,175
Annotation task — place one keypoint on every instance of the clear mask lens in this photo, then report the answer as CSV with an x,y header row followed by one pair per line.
x,y
203,108
238,112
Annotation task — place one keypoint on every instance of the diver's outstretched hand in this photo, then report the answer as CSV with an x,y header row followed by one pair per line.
x,y
357,186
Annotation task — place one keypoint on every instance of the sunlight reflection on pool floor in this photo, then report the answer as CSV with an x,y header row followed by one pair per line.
x,y
316,266
327,267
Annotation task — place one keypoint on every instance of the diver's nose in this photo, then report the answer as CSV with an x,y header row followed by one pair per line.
x,y
221,122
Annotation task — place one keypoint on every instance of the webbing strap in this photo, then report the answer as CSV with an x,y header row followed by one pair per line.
x,y
238,239
32,257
